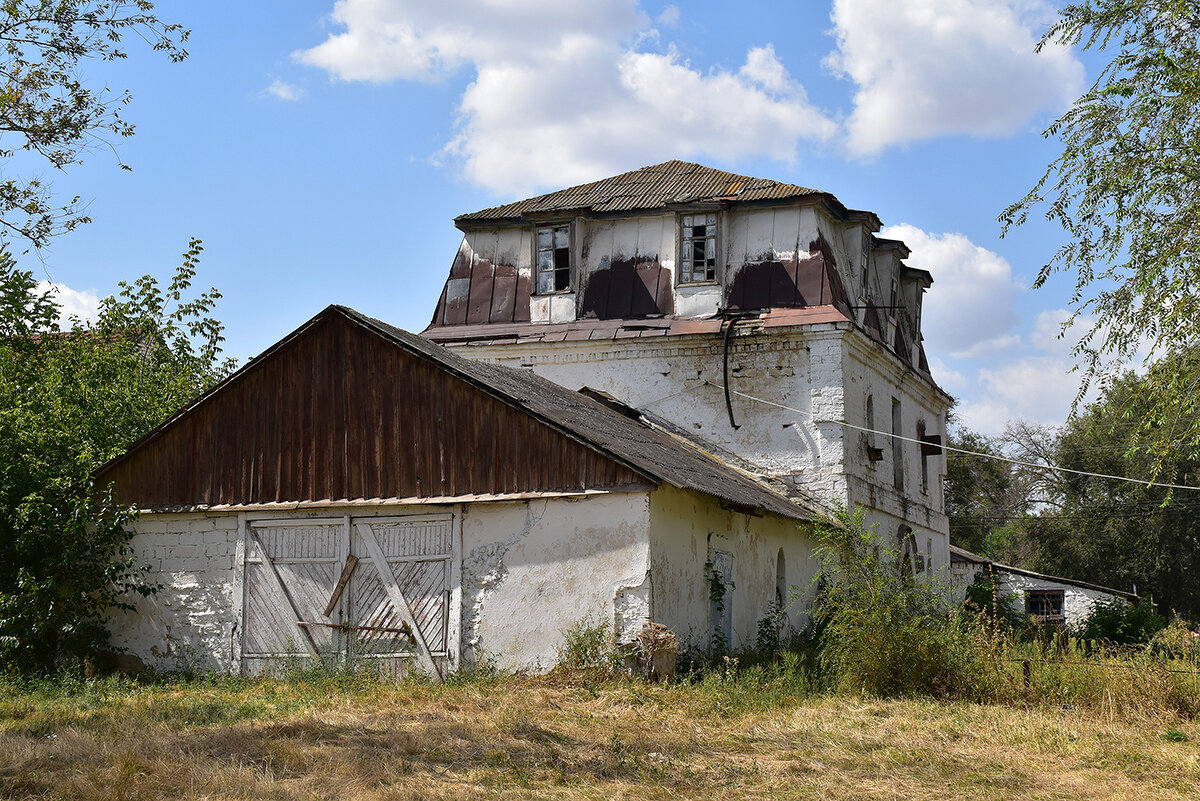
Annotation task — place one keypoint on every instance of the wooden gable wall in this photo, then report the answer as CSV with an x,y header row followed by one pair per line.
x,y
339,412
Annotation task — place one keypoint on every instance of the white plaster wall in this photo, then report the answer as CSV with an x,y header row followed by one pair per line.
x,y
191,621
533,569
1077,601
683,524
871,371
679,379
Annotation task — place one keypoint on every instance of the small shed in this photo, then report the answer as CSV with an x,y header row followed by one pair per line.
x,y
358,492
1051,599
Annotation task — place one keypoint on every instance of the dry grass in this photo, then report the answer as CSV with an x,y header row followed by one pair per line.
x,y
545,738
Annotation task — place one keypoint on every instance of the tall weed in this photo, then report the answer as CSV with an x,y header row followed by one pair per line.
x,y
887,632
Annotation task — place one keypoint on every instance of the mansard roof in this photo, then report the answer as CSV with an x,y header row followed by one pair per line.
x,y
658,187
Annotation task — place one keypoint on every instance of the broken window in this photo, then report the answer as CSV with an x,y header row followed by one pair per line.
x,y
698,248
1045,605
553,259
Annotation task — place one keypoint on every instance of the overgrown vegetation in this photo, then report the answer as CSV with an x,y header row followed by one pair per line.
x,y
887,633
738,732
69,401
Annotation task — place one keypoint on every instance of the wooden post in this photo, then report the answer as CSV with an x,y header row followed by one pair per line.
x,y
1027,670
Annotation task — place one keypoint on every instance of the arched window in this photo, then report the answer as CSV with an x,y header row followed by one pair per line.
x,y
910,554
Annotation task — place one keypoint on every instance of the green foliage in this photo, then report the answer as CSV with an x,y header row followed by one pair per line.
x,y
886,632
978,490
985,598
1121,534
1115,622
1124,191
587,646
46,107
767,638
69,401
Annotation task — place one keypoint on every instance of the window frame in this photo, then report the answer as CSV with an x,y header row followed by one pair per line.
x,y
1058,599
681,226
553,227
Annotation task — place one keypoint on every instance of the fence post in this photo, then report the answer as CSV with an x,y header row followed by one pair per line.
x,y
1027,671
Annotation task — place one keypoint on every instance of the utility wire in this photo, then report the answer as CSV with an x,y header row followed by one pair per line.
x,y
903,438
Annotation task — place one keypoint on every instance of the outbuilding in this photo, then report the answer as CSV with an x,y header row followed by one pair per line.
x,y
1052,600
360,492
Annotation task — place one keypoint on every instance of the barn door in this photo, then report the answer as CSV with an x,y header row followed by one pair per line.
x,y
400,602
292,568
362,590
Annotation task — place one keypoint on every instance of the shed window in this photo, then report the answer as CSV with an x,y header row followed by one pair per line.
x,y
1045,605
553,259
698,248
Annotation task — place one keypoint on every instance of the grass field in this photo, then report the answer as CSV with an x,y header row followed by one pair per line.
x,y
517,738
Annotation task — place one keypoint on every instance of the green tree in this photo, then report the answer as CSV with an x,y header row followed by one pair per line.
x,y
1118,533
69,401
48,110
1126,192
978,490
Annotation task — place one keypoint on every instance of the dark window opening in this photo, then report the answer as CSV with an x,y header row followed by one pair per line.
x,y
1045,605
698,249
924,458
553,259
897,447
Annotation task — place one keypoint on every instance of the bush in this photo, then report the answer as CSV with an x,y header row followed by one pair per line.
x,y
994,607
1115,622
887,633
587,646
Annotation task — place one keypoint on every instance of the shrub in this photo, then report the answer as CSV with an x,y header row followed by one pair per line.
x,y
887,633
1115,622
587,646
985,599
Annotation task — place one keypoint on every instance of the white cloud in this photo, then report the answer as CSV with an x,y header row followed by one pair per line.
x,y
563,94
285,91
73,302
926,68
669,16
971,308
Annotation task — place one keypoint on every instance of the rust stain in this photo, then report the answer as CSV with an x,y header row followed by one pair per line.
x,y
769,283
628,288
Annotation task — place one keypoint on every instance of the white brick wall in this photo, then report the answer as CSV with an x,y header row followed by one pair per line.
x,y
191,621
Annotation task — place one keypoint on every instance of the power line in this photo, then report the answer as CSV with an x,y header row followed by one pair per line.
x,y
903,438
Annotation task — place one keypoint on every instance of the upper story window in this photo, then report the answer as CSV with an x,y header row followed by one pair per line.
x,y
553,259
698,249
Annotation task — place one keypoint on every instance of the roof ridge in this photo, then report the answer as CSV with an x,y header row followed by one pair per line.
x,y
654,186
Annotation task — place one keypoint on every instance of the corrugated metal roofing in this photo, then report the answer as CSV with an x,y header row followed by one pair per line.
x,y
654,187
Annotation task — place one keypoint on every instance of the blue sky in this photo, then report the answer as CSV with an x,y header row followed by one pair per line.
x,y
321,150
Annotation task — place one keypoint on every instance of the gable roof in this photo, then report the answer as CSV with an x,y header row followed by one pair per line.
x,y
652,452
659,186
648,452
963,555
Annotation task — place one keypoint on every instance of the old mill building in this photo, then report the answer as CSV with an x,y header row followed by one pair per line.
x,y
632,392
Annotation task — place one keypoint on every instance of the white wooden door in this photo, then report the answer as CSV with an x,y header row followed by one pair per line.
x,y
367,590
291,570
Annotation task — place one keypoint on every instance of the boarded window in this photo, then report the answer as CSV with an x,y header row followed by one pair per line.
x,y
553,259
698,248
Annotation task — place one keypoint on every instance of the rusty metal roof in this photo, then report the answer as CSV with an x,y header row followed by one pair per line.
x,y
656,187
651,451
